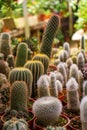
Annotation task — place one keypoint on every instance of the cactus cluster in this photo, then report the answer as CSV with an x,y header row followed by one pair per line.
x,y
48,36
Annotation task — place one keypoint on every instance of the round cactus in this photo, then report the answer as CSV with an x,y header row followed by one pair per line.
x,y
44,59
80,60
47,110
22,55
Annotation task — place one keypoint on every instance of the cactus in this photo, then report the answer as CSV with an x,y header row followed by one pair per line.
x,y
84,55
37,70
43,86
66,47
22,55
44,59
74,72
85,88
74,59
10,60
3,79
72,95
55,128
82,43
5,45
47,110
69,62
29,54
21,74
80,60
59,86
49,34
19,93
80,81
53,86
1,56
65,55
83,112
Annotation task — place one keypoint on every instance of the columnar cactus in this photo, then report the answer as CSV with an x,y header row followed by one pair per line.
x,y
55,128
21,74
37,70
44,59
5,45
19,93
43,86
83,112
59,86
69,62
29,54
60,77
10,60
53,86
47,110
22,55
80,60
65,55
80,81
66,47
82,43
72,95
49,34
85,88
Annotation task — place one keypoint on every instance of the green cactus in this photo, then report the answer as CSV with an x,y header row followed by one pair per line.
x,y
37,69
1,56
47,110
80,60
10,60
49,34
43,86
74,59
73,102
5,45
82,43
21,74
44,59
22,55
19,93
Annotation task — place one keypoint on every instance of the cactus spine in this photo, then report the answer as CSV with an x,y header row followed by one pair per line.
x,y
48,37
72,95
80,60
37,70
47,110
19,93
22,55
44,59
21,74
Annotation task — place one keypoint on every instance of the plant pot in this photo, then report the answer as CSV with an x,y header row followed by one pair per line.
x,y
62,117
75,123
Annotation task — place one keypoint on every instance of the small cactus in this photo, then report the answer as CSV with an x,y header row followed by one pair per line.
x,y
47,110
59,77
66,47
55,128
59,86
85,88
69,62
80,81
65,55
82,43
72,95
80,60
74,59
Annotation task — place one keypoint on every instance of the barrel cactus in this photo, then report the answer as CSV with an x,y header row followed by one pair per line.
x,y
44,59
37,69
80,60
19,93
10,60
22,55
5,44
21,74
47,110
48,36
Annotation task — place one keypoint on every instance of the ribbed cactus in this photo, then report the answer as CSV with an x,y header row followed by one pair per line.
x,y
80,81
59,86
10,60
21,74
53,86
85,88
47,110
55,128
49,34
80,60
82,43
19,93
5,45
72,95
66,47
37,70
1,56
74,72
83,112
43,86
22,55
44,59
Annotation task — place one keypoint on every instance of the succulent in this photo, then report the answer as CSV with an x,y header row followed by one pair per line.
x,y
84,54
22,55
37,69
44,59
84,71
10,61
80,60
19,93
66,47
43,86
5,45
47,110
83,112
48,36
29,54
80,81
82,43
59,86
21,74
72,94
74,59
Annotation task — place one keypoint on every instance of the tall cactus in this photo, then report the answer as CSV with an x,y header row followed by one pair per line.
x,y
22,55
44,59
21,74
59,86
5,45
37,70
82,43
72,95
47,110
19,93
80,60
48,36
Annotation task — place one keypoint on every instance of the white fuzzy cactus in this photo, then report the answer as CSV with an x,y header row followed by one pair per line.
x,y
80,81
80,60
85,88
69,62
66,47
83,113
72,94
59,77
43,86
59,86
65,55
